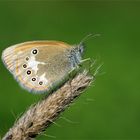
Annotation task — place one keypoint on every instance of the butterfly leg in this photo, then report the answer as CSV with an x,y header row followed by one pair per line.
x,y
75,70
71,74
86,61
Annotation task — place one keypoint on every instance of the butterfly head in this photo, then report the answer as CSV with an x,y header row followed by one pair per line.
x,y
76,54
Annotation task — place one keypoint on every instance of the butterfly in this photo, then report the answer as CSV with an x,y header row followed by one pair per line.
x,y
39,66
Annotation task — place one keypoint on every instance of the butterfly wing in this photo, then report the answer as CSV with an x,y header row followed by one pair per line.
x,y
37,65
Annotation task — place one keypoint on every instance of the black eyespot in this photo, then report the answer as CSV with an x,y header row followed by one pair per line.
x,y
34,51
33,79
24,66
28,72
27,58
40,83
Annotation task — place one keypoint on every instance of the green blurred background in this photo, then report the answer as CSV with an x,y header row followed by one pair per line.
x,y
111,108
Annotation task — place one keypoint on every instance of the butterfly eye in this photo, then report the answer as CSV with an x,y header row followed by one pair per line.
x,y
28,72
34,51
24,66
33,79
40,83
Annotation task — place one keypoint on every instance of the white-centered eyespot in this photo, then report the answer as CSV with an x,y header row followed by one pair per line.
x,y
34,51
40,83
24,66
28,72
33,79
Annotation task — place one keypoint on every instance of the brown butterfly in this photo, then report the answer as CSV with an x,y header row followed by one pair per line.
x,y
40,65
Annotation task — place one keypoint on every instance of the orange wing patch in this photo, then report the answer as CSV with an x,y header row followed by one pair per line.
x,y
28,45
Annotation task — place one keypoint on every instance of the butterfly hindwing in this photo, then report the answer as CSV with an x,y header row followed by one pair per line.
x,y
37,65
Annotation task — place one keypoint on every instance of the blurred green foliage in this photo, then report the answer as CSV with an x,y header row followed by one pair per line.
x,y
111,108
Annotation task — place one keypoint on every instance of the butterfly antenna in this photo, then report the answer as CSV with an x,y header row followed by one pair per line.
x,y
87,37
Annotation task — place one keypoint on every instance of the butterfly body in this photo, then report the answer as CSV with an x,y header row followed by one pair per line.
x,y
38,65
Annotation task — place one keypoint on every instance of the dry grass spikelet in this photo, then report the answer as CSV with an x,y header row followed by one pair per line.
x,y
39,116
